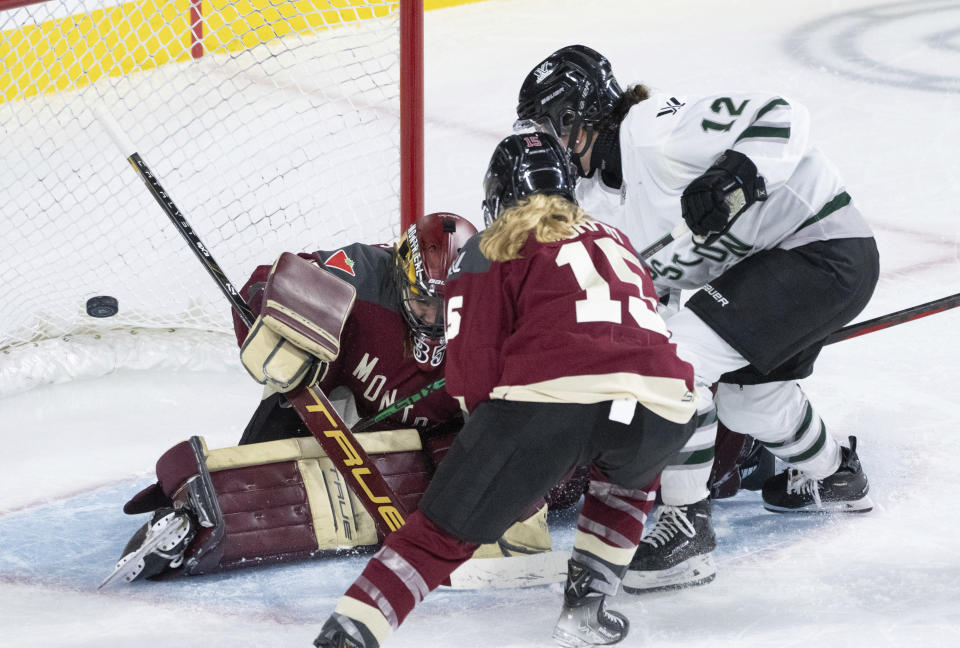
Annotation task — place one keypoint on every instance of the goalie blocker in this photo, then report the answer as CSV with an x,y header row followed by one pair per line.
x,y
282,501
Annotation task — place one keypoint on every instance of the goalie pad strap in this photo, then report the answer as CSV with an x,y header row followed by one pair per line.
x,y
174,468
307,447
307,305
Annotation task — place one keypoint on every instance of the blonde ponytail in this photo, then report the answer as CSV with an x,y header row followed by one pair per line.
x,y
550,217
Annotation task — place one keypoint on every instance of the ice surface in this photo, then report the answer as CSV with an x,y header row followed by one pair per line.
x,y
882,82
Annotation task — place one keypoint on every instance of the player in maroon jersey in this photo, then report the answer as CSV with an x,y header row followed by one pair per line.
x,y
556,350
273,506
392,343
392,346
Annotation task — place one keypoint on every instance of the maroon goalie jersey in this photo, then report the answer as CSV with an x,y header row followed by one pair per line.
x,y
574,321
376,360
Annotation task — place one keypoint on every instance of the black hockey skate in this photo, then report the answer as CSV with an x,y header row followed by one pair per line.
x,y
584,620
845,491
341,631
676,553
156,546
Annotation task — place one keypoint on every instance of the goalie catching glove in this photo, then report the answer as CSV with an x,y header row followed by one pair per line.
x,y
711,203
303,315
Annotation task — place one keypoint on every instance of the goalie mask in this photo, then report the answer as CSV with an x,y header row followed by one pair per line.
x,y
523,165
423,255
572,89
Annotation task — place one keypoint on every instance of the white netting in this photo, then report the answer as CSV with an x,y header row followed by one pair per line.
x,y
283,135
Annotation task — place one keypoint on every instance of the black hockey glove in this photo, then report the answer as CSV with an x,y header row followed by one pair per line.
x,y
711,203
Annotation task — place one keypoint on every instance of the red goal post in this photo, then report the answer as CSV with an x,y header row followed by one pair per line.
x,y
276,126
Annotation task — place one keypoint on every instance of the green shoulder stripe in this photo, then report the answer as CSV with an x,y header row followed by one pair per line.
x,y
770,131
764,132
770,106
839,201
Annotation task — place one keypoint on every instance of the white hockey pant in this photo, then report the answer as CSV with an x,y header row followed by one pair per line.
x,y
777,414
684,480
780,416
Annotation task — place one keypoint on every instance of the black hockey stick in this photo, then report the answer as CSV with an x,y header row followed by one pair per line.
x,y
663,242
680,230
367,423
250,434
313,406
171,210
892,319
852,330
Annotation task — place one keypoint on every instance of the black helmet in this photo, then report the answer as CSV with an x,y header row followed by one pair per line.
x,y
525,164
572,88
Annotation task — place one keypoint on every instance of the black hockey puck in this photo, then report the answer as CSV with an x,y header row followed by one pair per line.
x,y
102,306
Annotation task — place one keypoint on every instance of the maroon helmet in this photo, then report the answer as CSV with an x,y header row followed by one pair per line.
x,y
425,253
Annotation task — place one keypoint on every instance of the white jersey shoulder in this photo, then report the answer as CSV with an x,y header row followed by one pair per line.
x,y
669,140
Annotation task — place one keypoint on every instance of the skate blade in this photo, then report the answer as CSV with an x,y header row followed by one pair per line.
x,y
570,640
862,505
131,565
516,571
567,640
698,570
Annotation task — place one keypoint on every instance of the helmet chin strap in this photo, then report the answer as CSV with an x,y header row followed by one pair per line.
x,y
606,157
574,156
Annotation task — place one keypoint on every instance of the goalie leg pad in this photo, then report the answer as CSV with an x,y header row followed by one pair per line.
x,y
522,557
174,468
283,500
267,513
729,449
529,536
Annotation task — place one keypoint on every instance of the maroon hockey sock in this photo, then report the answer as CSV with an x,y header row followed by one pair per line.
x,y
615,514
414,561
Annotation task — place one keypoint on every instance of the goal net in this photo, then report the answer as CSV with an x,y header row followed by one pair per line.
x,y
274,126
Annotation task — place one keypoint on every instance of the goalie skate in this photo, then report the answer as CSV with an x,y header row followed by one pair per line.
x,y
165,538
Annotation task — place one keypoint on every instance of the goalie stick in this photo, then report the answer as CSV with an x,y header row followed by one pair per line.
x,y
309,401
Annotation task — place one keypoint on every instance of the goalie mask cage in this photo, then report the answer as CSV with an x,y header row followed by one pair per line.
x,y
275,126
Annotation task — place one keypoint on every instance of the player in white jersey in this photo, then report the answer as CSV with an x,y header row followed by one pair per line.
x,y
779,258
